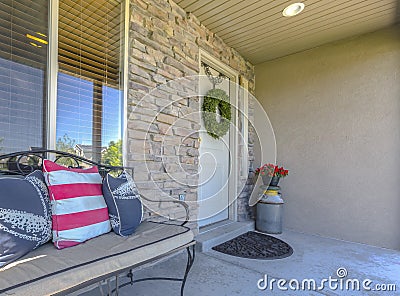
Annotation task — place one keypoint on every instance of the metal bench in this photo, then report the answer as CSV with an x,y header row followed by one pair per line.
x,y
48,271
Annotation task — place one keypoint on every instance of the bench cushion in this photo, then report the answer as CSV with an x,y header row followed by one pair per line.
x,y
47,270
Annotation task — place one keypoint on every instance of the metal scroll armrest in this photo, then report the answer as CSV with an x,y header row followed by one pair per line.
x,y
179,202
25,162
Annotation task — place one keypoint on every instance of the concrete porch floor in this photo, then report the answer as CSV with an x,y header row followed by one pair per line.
x,y
314,257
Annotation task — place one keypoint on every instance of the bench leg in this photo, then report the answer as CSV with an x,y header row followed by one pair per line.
x,y
116,285
190,260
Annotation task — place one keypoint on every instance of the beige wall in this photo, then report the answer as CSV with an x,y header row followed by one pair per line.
x,y
336,115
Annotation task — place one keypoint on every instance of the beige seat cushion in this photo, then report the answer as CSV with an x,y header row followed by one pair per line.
x,y
47,270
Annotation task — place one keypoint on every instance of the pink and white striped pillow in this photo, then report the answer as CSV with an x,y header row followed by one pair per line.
x,y
78,207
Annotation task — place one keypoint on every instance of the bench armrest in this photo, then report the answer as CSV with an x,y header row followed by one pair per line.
x,y
179,202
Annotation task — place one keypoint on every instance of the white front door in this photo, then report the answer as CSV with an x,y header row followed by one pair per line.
x,y
214,165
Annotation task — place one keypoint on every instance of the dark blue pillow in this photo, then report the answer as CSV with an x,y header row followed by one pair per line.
x,y
25,216
123,201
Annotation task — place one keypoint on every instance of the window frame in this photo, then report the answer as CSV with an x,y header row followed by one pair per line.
x,y
52,76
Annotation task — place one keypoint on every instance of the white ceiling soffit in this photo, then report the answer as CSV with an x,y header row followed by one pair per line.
x,y
257,29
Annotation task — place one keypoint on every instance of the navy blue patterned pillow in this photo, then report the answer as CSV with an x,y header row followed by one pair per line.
x,y
123,201
25,216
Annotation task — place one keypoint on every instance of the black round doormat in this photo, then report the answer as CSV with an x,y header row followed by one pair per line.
x,y
255,245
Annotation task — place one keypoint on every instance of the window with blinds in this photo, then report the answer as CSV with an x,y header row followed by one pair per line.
x,y
23,72
89,90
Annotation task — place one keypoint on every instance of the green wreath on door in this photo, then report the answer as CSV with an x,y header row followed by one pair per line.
x,y
216,99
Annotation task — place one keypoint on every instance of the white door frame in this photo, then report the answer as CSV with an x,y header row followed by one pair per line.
x,y
233,137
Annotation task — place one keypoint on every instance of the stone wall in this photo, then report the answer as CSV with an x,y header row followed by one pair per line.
x,y
163,119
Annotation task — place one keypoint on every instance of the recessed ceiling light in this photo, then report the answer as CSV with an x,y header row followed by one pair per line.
x,y
293,9
36,38
35,45
41,34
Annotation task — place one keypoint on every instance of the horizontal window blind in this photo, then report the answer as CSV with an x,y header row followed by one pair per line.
x,y
23,60
18,20
90,39
89,100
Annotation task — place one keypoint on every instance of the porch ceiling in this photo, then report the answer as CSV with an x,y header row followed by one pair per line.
x,y
257,29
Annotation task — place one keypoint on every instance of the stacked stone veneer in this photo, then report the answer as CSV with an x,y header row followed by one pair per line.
x,y
163,118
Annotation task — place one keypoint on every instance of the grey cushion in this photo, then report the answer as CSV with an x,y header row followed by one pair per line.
x,y
47,271
123,202
25,216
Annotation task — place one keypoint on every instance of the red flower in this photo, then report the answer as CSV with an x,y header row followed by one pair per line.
x,y
272,170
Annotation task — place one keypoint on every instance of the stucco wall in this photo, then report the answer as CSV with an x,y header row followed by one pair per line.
x,y
336,115
164,43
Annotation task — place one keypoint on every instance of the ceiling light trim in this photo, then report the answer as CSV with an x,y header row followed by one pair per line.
x,y
293,9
